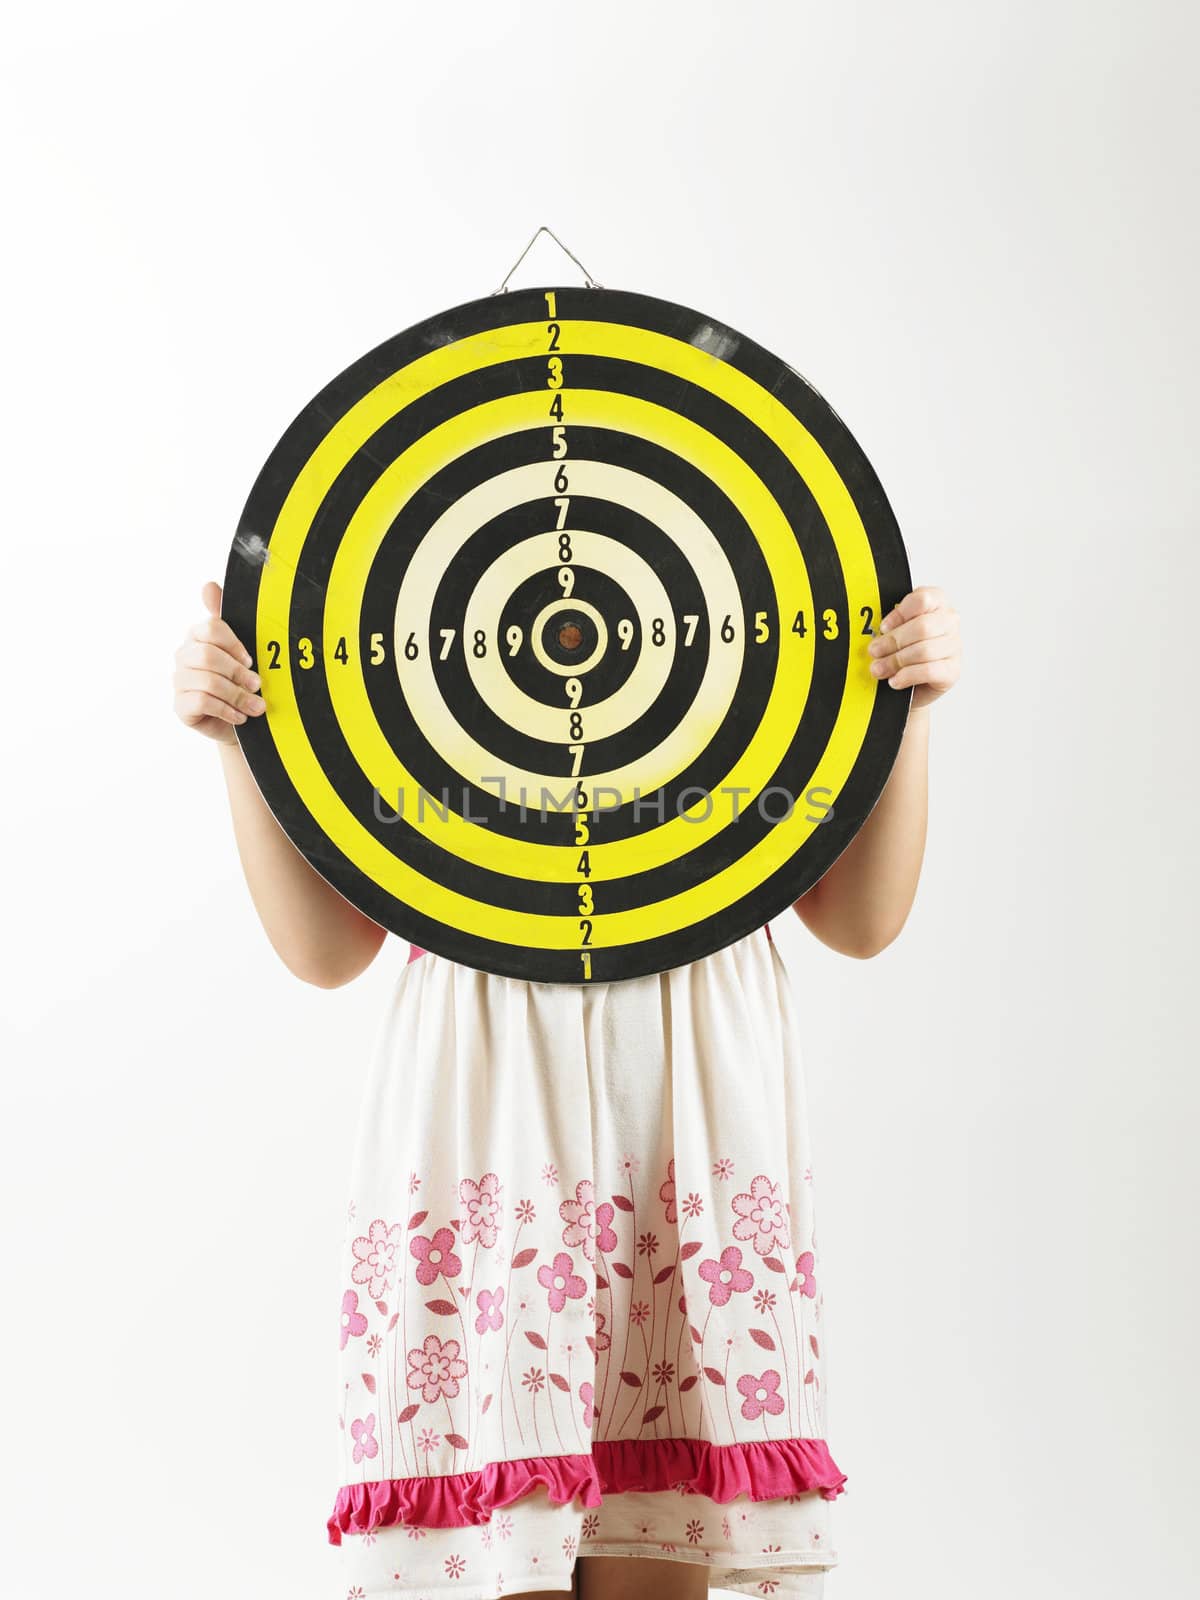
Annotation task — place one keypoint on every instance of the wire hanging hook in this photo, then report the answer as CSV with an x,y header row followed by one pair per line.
x,y
591,282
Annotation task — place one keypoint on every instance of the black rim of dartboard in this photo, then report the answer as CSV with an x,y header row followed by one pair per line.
x,y
494,886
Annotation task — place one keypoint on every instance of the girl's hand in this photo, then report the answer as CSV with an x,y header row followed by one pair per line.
x,y
918,645
214,684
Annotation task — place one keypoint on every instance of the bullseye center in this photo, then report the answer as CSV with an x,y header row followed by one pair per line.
x,y
570,636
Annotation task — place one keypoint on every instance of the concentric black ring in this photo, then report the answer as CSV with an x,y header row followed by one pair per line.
x,y
513,893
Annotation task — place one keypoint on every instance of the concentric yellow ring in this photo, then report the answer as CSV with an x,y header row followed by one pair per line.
x,y
595,408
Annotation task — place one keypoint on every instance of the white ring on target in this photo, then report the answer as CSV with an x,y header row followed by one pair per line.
x,y
567,669
607,714
651,769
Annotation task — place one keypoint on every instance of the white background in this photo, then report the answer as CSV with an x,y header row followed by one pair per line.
x,y
974,230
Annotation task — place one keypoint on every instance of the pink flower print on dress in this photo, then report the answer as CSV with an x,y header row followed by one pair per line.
x,y
375,1253
490,1315
760,1394
762,1217
362,1431
435,1256
435,1368
580,1219
602,1339
606,1234
588,1394
667,1192
726,1276
561,1282
481,1209
804,1271
353,1321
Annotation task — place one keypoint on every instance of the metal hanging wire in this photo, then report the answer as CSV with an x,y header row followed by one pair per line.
x,y
591,282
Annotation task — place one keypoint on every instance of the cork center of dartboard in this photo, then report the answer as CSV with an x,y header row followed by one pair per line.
x,y
570,636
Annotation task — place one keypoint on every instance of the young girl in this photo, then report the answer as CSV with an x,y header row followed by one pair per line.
x,y
580,1324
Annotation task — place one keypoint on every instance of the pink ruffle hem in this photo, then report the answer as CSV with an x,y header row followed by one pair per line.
x,y
767,1469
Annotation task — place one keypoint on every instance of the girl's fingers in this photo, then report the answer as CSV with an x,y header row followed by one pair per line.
x,y
217,686
214,684
927,598
215,630
215,659
941,647
938,624
194,705
939,675
918,644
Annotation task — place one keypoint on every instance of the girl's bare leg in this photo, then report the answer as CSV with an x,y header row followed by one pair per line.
x,y
574,1589
639,1578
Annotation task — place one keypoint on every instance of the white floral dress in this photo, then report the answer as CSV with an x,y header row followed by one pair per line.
x,y
581,1305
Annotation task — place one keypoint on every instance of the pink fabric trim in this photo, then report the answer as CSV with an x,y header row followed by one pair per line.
x,y
766,1469
460,1498
763,1469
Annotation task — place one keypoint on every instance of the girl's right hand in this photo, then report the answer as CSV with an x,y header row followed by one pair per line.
x,y
214,684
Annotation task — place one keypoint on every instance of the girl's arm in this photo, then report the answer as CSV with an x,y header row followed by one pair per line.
x,y
317,934
860,905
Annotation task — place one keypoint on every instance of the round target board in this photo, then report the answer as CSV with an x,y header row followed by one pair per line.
x,y
561,602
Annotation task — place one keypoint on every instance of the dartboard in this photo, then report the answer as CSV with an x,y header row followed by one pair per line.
x,y
561,602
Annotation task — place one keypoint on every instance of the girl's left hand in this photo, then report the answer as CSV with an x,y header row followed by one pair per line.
x,y
918,645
